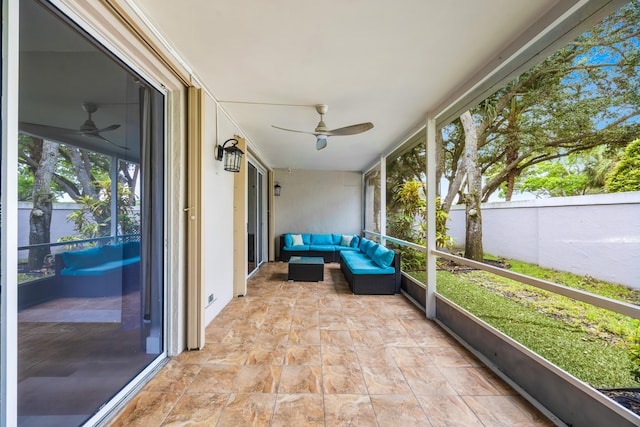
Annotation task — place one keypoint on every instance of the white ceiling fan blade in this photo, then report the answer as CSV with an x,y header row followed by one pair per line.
x,y
97,135
292,130
321,143
350,130
70,136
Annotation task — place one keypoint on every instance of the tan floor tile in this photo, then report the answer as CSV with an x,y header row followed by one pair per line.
x,y
334,355
147,408
343,380
427,380
197,410
300,379
410,357
273,338
448,411
264,354
503,410
385,380
397,339
339,338
258,379
375,356
448,357
366,338
302,355
173,377
230,354
314,343
349,410
214,379
469,381
300,410
399,410
304,336
254,409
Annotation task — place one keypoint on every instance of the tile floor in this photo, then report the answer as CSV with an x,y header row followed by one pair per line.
x,y
313,354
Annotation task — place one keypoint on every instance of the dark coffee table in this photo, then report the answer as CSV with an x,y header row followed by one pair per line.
x,y
306,268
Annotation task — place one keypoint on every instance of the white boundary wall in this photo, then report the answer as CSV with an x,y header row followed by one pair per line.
x,y
595,235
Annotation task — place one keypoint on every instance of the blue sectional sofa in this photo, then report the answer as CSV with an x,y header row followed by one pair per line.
x,y
372,269
328,246
99,271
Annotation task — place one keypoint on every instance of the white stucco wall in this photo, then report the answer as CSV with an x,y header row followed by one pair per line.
x,y
314,201
596,235
217,213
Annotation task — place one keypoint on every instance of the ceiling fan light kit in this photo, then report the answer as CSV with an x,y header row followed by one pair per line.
x,y
321,133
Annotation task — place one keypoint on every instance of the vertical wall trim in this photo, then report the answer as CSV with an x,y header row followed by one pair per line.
x,y
271,217
195,284
383,199
430,303
240,224
9,216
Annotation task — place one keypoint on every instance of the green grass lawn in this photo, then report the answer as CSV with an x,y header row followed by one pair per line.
x,y
588,342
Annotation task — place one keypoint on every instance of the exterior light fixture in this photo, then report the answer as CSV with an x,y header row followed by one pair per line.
x,y
232,157
276,189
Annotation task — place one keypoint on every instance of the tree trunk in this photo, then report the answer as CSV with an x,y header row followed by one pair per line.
x,y
473,236
40,218
512,155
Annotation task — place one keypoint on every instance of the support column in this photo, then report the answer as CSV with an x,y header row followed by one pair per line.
x,y
430,303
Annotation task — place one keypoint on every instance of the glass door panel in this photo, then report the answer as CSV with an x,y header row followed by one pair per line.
x,y
90,253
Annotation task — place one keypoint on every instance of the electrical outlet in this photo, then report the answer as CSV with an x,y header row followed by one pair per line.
x,y
210,298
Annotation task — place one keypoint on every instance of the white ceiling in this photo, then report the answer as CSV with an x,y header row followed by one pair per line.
x,y
387,62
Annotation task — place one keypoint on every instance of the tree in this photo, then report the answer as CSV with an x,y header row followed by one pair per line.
x,y
583,96
626,174
45,154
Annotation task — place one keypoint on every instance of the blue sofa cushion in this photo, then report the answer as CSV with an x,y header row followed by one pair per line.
x,y
99,270
364,243
340,248
321,239
288,240
83,258
383,256
361,264
336,238
296,248
371,249
321,248
355,242
131,249
306,239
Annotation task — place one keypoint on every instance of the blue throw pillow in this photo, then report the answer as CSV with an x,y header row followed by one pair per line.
x,y
364,243
321,239
371,249
288,241
306,239
383,256
337,238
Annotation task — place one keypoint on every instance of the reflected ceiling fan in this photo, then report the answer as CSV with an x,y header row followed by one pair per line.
x,y
322,133
88,128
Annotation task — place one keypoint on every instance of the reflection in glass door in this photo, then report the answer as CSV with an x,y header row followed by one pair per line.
x,y
255,218
90,253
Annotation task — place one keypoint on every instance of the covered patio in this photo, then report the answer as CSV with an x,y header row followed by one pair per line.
x,y
312,353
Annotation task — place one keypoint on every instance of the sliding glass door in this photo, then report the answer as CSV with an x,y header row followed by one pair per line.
x,y
90,222
256,216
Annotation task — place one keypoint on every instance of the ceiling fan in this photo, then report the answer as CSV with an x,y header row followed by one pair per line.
x,y
322,133
88,128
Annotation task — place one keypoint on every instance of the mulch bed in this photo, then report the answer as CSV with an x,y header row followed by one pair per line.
x,y
453,267
627,397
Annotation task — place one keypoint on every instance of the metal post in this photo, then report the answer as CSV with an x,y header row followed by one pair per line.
x,y
430,303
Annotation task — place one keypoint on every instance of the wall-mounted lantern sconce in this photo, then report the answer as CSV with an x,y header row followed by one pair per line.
x,y
233,155
276,189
